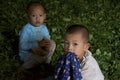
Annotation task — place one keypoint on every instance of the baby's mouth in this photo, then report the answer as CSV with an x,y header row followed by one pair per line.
x,y
37,22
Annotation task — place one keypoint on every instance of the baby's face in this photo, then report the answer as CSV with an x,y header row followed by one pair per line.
x,y
36,15
75,43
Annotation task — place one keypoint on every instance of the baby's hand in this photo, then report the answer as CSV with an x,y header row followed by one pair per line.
x,y
44,44
43,48
35,50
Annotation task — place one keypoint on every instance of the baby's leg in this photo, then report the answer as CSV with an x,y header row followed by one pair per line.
x,y
47,58
52,49
31,60
28,61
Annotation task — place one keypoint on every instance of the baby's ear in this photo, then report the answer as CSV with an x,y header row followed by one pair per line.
x,y
87,46
45,15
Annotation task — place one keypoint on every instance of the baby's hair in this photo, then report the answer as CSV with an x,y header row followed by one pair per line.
x,y
76,28
34,3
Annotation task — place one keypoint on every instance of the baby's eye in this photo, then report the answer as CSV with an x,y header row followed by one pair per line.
x,y
75,44
40,15
33,15
66,43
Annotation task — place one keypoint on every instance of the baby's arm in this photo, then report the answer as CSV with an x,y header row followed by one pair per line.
x,y
24,41
91,70
43,48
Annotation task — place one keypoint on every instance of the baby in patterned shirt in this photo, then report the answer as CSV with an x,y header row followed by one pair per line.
x,y
77,40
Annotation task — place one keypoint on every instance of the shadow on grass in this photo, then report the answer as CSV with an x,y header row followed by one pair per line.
x,y
40,72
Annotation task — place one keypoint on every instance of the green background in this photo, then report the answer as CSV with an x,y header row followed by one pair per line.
x,y
102,18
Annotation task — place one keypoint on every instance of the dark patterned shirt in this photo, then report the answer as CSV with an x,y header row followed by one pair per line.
x,y
68,67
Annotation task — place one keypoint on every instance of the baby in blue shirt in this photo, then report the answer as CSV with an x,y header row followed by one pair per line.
x,y
35,45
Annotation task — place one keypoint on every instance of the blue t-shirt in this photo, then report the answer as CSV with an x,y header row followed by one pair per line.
x,y
29,37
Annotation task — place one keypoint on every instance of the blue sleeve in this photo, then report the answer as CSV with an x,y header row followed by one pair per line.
x,y
24,41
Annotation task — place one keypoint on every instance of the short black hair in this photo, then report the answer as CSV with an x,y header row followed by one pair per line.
x,y
78,28
34,3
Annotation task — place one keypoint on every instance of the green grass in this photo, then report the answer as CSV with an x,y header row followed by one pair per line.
x,y
102,17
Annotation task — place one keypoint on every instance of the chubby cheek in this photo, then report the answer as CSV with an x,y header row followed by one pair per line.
x,y
42,21
79,52
33,20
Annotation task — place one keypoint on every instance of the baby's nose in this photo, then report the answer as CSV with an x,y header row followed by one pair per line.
x,y
70,48
37,18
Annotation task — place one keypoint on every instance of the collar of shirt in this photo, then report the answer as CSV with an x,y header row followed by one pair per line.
x,y
82,63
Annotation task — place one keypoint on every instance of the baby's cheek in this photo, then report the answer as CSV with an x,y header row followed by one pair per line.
x,y
77,53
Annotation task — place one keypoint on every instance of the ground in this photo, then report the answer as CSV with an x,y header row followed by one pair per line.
x,y
40,72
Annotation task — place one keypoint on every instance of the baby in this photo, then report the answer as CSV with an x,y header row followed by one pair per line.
x,y
76,40
35,45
